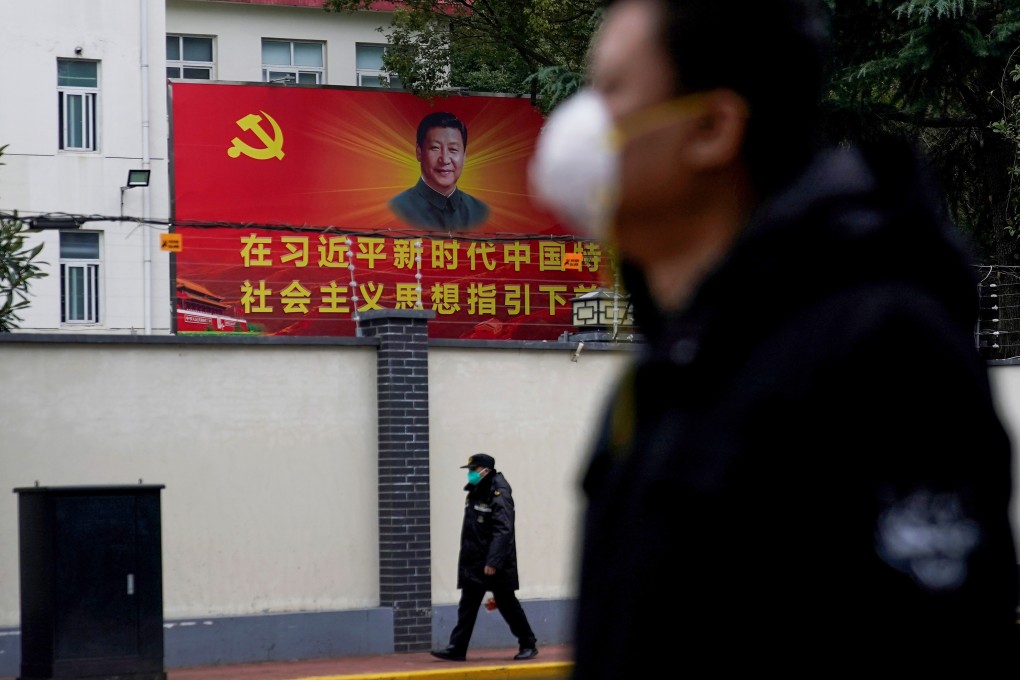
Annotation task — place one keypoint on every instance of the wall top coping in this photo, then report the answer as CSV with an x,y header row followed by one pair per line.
x,y
410,314
167,339
312,341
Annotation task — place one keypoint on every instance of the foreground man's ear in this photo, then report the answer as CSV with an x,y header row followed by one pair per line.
x,y
717,137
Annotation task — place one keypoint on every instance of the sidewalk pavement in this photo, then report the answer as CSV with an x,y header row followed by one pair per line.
x,y
554,662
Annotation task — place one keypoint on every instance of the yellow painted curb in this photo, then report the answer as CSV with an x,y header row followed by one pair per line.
x,y
552,670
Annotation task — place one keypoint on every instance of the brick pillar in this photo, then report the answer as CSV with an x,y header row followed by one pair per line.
x,y
405,543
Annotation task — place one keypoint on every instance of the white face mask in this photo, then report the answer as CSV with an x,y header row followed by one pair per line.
x,y
575,171
576,167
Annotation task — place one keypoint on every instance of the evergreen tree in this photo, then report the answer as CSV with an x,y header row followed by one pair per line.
x,y
17,268
936,72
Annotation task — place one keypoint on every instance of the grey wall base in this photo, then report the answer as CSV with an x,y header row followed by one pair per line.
x,y
218,641
10,652
551,620
277,637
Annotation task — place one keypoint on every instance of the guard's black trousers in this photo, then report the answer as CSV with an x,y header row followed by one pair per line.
x,y
509,607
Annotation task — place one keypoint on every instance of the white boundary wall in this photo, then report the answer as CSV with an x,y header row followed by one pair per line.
x,y
1005,379
268,454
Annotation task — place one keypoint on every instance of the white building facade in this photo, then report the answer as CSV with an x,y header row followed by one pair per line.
x,y
89,104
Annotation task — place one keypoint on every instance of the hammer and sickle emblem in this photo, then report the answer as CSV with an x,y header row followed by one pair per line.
x,y
273,145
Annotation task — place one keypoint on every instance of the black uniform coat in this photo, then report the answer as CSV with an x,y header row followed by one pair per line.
x,y
488,536
804,471
422,206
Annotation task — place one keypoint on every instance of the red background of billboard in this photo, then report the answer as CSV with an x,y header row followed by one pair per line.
x,y
346,152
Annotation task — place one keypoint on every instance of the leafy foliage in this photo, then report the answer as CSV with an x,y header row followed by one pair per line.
x,y
1009,127
508,46
925,70
556,83
17,269
488,68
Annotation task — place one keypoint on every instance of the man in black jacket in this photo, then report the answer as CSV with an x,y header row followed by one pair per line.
x,y
803,472
488,560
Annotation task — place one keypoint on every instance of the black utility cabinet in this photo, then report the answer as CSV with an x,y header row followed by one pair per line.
x,y
91,582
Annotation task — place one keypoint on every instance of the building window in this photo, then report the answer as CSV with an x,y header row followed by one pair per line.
x,y
77,98
79,277
293,62
189,57
369,64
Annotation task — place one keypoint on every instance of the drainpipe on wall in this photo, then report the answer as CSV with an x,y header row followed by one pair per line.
x,y
146,164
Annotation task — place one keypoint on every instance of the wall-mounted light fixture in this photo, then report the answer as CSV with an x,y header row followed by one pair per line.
x,y
599,316
136,178
602,310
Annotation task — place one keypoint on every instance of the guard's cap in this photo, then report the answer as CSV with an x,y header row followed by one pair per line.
x,y
482,460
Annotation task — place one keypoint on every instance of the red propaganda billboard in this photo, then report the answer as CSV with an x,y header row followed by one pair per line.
x,y
300,208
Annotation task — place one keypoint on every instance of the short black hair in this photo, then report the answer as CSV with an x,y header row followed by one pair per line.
x,y
774,53
440,119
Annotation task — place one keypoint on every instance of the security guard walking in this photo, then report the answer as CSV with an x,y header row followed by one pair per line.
x,y
488,560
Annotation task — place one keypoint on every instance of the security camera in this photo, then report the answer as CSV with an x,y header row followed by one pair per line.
x,y
78,49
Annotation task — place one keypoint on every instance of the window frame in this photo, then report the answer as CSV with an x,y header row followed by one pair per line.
x,y
182,63
392,82
292,69
87,98
87,300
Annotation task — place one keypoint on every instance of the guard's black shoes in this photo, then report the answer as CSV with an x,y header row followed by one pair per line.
x,y
526,653
449,654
